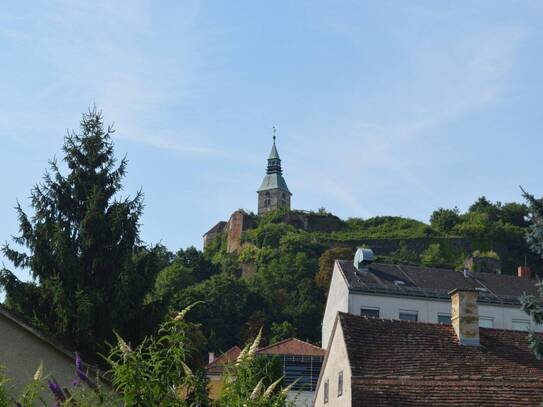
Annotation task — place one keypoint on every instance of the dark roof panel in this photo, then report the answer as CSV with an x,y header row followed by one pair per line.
x,y
434,282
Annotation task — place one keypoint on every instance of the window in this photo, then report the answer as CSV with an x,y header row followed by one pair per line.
x,y
326,388
340,384
284,199
521,324
369,312
409,315
444,319
267,200
486,322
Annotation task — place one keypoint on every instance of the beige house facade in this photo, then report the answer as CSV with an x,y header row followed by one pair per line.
x,y
22,349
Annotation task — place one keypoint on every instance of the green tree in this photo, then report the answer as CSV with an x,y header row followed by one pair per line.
x,y
404,255
281,331
82,247
445,220
531,304
326,264
227,306
433,256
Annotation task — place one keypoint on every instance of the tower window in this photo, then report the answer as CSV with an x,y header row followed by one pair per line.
x,y
284,199
267,200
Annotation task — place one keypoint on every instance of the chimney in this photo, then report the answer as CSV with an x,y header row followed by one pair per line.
x,y
211,356
465,316
363,258
524,271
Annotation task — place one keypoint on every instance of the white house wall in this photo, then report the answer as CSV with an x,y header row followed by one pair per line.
x,y
428,309
338,300
337,360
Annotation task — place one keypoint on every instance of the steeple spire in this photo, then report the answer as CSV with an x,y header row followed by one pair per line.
x,y
273,192
274,162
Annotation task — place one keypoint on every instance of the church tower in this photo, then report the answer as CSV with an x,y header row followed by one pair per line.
x,y
273,192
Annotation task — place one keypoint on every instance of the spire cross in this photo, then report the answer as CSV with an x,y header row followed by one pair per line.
x,y
274,130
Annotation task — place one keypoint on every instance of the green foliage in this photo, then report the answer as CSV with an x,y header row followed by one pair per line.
x,y
281,330
253,382
434,257
91,272
445,220
404,255
326,264
531,304
156,372
228,303
383,227
489,254
4,399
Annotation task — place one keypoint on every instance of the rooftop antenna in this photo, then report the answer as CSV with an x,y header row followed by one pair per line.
x,y
274,131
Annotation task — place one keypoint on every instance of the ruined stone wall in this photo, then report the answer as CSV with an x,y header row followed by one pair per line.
x,y
239,221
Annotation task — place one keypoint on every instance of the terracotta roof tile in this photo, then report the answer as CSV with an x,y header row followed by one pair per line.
x,y
421,364
292,346
217,366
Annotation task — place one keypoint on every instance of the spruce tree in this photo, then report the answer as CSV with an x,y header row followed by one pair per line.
x,y
532,304
90,271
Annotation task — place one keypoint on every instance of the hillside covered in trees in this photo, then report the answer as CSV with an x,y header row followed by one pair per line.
x,y
279,277
93,276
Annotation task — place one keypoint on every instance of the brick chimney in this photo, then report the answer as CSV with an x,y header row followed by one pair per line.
x,y
465,316
524,271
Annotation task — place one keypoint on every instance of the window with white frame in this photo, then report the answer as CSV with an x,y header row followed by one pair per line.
x,y
407,315
340,384
444,318
370,312
521,324
486,322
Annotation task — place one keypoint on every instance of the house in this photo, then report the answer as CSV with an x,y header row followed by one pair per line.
x,y
390,362
301,362
363,287
22,348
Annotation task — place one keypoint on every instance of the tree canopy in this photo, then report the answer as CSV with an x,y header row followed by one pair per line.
x,y
90,271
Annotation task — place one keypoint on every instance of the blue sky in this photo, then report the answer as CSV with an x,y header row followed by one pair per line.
x,y
382,107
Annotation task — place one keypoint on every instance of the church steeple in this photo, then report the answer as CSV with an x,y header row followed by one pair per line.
x,y
273,192
274,162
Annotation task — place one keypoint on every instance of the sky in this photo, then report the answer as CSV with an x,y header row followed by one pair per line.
x,y
382,107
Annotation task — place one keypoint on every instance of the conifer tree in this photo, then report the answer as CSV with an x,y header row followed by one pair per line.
x,y
531,304
90,271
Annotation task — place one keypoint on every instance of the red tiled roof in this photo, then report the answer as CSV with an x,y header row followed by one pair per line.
x,y
216,367
292,346
445,392
414,363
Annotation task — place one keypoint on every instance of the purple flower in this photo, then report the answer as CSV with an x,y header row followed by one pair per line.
x,y
78,361
56,390
75,382
85,378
